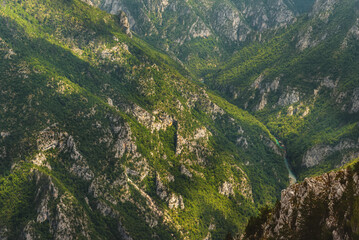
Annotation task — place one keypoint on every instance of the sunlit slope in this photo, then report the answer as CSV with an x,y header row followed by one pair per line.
x,y
103,138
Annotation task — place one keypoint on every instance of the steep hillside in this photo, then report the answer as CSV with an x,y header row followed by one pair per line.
x,y
291,63
103,138
303,83
324,207
201,34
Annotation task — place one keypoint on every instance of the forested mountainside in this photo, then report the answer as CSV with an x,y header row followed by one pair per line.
x,y
324,207
106,131
103,138
202,34
303,84
292,64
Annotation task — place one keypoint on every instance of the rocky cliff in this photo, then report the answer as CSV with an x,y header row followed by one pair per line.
x,y
227,19
324,207
200,33
124,23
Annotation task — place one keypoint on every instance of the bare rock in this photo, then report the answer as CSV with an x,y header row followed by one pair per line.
x,y
9,54
199,29
262,103
40,160
226,189
319,153
5,134
185,171
355,101
289,98
124,23
328,199
175,202
161,189
242,141
82,170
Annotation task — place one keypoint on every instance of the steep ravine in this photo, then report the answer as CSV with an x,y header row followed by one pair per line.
x,y
130,148
303,85
291,175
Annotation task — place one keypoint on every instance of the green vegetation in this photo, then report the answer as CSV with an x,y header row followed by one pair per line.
x,y
76,93
16,200
318,116
101,117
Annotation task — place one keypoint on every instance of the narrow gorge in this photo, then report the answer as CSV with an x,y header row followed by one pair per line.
x,y
159,119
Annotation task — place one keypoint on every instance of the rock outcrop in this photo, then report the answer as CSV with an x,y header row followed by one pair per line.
x,y
289,97
60,210
318,154
124,23
324,207
226,189
220,21
355,101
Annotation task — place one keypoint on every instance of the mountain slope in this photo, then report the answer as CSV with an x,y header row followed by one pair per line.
x,y
103,138
302,82
201,34
291,63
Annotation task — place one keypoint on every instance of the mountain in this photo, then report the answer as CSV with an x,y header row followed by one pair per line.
x,y
104,137
202,34
292,64
302,83
178,119
324,207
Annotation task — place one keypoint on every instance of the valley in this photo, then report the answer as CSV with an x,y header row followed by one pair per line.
x,y
159,119
292,177
293,68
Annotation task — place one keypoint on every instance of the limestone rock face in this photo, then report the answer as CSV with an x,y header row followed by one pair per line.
x,y
305,40
323,8
288,98
227,21
88,2
355,101
59,209
324,204
319,153
176,202
230,22
124,23
262,16
161,189
352,33
199,29
185,171
226,189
